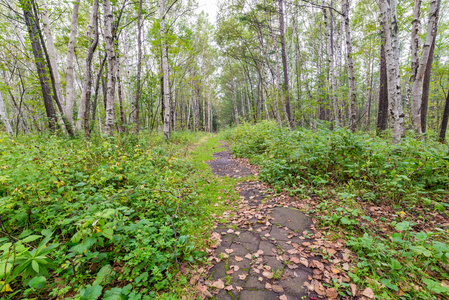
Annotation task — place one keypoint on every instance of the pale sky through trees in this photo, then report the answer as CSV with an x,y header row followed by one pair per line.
x,y
210,7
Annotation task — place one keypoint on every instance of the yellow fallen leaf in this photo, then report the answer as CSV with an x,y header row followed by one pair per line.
x,y
5,287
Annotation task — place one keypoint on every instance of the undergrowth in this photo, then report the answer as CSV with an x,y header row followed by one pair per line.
x,y
390,202
113,217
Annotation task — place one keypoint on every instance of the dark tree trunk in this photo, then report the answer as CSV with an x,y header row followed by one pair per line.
x,y
444,120
33,31
284,65
382,112
425,87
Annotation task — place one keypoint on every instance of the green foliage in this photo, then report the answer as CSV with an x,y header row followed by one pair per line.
x,y
374,168
395,256
79,216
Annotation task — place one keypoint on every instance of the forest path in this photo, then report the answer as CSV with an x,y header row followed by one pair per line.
x,y
262,251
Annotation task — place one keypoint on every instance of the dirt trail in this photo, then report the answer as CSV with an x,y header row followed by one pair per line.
x,y
262,252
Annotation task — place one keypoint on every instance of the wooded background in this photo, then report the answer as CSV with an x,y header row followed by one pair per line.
x,y
121,66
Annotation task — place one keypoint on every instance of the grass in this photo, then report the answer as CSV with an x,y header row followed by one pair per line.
x,y
117,218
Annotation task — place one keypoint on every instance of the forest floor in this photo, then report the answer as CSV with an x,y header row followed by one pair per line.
x,y
270,249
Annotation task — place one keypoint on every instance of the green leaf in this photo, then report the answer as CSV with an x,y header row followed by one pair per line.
x,y
405,225
31,238
439,206
114,294
395,265
435,286
35,266
345,221
91,292
102,274
421,250
4,266
107,233
37,282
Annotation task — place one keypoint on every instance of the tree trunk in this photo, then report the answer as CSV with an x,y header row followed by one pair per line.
x,y
417,83
52,53
385,13
234,104
120,99
109,124
351,77
84,107
426,86
33,31
286,92
70,53
382,111
166,90
139,66
4,117
416,26
444,120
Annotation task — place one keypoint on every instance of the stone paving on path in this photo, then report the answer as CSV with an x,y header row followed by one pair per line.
x,y
259,253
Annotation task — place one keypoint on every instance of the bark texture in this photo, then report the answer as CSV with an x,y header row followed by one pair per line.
x,y
110,95
351,77
417,83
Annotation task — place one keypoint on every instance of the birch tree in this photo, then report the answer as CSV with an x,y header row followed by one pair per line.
x,y
392,77
4,117
110,95
417,83
84,107
165,84
70,54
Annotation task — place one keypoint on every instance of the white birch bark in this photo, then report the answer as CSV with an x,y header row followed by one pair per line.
x,y
69,73
415,41
417,83
166,96
110,94
87,84
385,14
351,77
330,61
51,51
4,117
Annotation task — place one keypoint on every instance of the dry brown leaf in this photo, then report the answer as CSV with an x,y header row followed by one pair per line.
x,y
238,258
295,260
267,286
283,297
368,292
229,251
239,288
219,284
267,274
229,288
353,289
243,276
292,266
332,293
203,290
278,288
248,256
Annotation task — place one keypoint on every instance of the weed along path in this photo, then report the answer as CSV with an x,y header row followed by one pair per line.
x,y
262,250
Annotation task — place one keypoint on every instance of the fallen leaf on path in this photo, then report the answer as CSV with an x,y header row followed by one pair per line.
x,y
203,290
295,260
238,258
219,284
332,293
229,251
229,288
368,292
283,297
267,286
353,289
267,274
243,276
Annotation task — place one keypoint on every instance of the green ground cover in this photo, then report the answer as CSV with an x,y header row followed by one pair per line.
x,y
115,218
389,202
